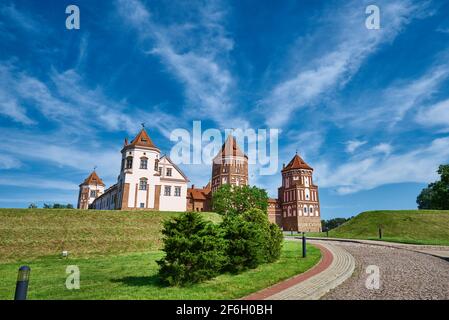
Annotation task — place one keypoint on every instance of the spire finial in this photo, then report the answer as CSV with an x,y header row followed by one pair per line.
x,y
95,168
296,151
143,125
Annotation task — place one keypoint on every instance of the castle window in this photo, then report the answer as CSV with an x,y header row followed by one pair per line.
x,y
142,205
169,172
93,193
160,170
129,162
177,191
156,165
143,163
167,191
143,184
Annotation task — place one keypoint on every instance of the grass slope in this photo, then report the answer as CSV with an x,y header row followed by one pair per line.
x,y
407,226
33,233
134,276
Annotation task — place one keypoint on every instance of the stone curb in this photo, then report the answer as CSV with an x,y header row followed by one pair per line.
x,y
335,267
433,250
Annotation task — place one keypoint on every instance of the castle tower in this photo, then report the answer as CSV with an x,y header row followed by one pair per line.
x,y
90,189
298,197
147,180
230,165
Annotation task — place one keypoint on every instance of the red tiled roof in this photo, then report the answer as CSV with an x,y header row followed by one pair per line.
x,y
141,140
198,194
230,147
92,179
297,163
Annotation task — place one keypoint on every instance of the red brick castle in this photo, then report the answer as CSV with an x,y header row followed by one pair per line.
x,y
297,207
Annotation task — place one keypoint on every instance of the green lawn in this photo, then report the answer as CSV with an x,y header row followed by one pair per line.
x,y
33,233
406,226
134,276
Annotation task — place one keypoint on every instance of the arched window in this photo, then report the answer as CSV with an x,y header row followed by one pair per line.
x,y
144,163
143,182
156,165
311,210
129,162
305,211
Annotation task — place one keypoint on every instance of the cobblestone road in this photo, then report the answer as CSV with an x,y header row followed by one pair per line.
x,y
403,274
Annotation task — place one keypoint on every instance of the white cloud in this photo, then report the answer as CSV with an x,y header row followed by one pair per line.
x,y
9,103
65,153
353,145
318,77
384,148
434,115
196,53
8,162
19,18
383,167
392,104
37,183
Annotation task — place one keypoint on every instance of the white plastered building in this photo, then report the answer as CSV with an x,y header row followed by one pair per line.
x,y
147,180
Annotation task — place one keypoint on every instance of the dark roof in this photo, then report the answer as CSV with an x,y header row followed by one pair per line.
x,y
297,163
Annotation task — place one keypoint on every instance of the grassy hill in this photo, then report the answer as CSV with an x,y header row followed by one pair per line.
x,y
32,233
408,226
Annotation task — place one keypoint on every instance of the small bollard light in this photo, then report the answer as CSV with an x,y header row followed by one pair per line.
x,y
22,283
380,233
327,233
304,250
65,254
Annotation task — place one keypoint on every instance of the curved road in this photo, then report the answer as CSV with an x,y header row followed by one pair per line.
x,y
403,274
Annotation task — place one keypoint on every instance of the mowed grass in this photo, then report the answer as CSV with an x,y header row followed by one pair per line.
x,y
33,233
406,226
134,276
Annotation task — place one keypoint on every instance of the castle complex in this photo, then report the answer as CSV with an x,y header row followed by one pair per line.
x,y
149,181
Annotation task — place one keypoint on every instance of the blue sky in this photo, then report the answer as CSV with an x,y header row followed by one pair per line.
x,y
368,109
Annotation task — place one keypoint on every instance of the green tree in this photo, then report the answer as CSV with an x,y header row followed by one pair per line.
x,y
228,200
333,223
436,195
274,245
194,250
251,240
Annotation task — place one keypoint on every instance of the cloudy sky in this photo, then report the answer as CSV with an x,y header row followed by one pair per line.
x,y
368,109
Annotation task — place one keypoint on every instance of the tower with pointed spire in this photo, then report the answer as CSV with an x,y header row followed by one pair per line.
x,y
230,165
91,188
147,181
298,199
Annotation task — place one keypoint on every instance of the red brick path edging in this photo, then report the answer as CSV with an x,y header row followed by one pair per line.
x,y
325,262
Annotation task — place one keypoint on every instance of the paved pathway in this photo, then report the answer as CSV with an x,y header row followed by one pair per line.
x,y
438,251
404,273
336,266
